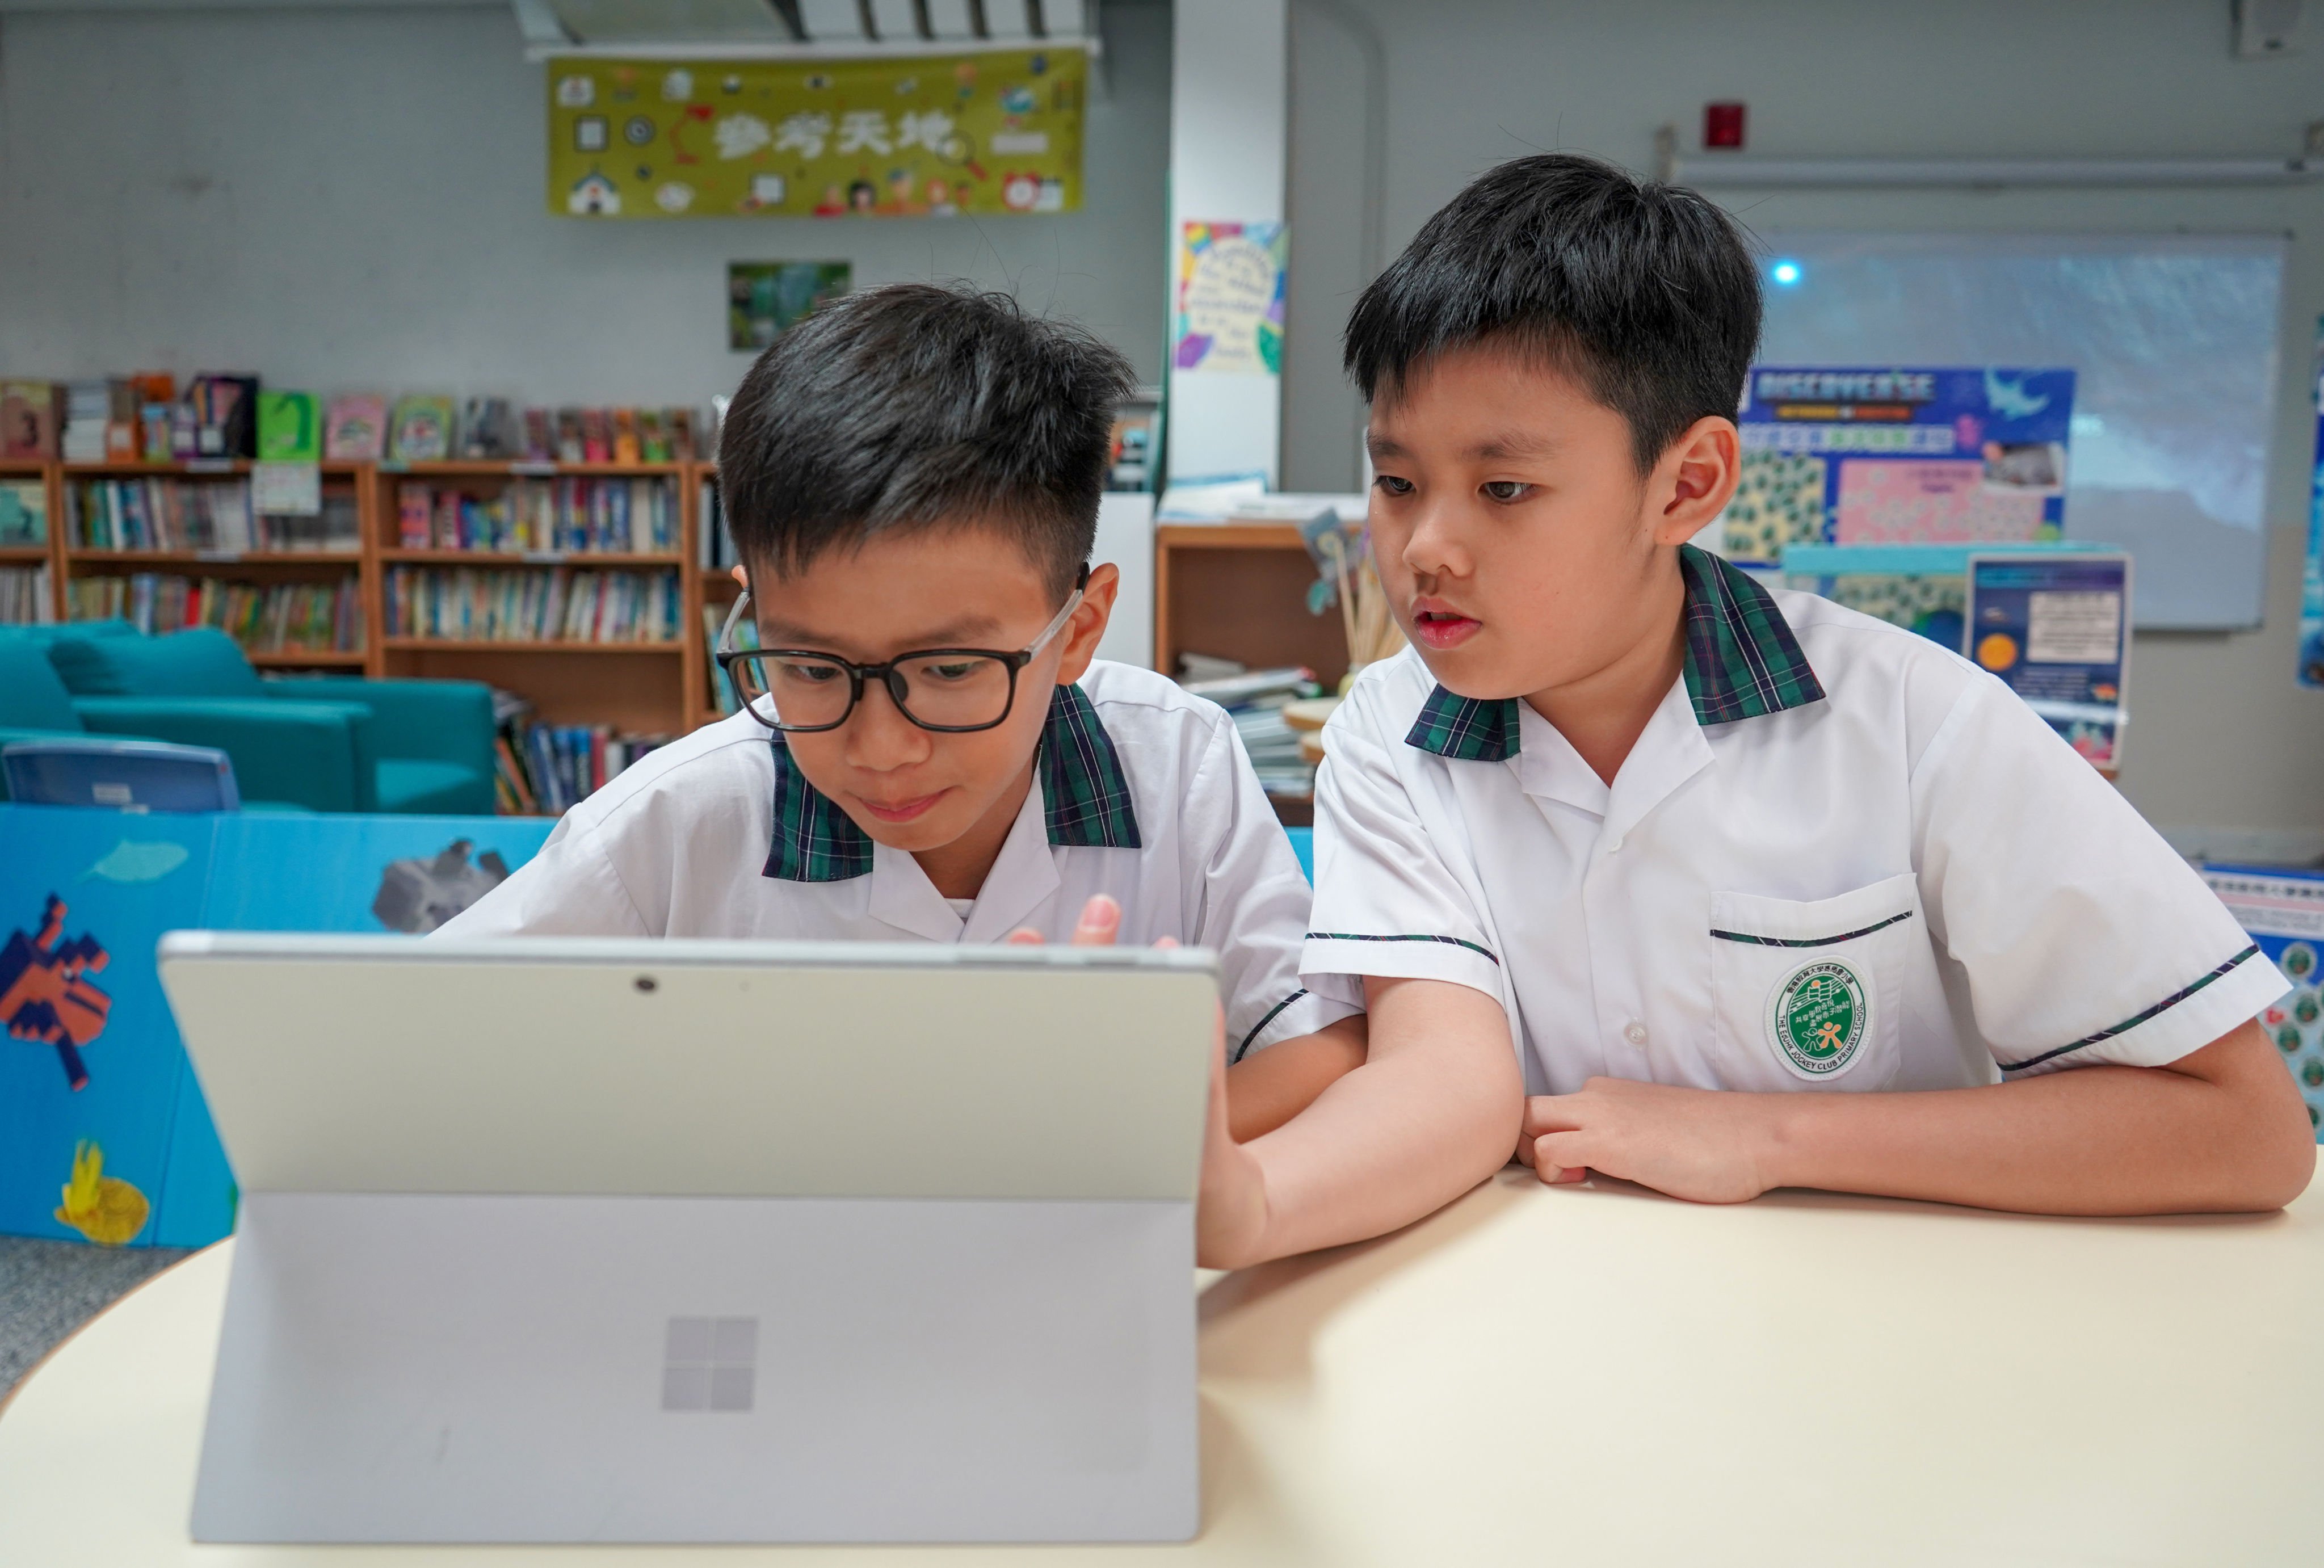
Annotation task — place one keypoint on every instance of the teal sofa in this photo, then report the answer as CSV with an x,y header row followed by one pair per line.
x,y
329,743
284,756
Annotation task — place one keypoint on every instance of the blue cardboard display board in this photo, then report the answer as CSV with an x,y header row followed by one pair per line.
x,y
85,897
2282,911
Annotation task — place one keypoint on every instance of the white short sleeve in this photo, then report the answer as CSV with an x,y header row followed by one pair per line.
x,y
1388,903
1253,904
2082,935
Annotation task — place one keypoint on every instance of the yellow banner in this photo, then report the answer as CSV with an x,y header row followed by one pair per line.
x,y
935,135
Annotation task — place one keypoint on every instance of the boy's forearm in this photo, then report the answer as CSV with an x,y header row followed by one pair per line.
x,y
1432,1112
2221,1130
1268,1088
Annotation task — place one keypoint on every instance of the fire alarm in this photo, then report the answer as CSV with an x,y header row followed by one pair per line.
x,y
1722,125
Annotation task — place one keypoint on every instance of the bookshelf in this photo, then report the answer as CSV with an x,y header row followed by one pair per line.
x,y
657,687
537,529
183,538
1238,590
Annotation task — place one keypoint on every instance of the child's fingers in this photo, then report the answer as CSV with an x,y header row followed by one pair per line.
x,y
1165,941
1025,937
1100,923
1559,1156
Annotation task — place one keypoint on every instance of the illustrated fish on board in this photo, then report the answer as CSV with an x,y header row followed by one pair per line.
x,y
45,994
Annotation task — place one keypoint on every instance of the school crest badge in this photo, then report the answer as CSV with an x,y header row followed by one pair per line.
x,y
1816,1018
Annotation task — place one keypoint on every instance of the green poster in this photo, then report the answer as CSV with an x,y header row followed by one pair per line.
x,y
762,297
933,136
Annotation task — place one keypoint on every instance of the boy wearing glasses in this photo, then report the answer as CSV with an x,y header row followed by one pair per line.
x,y
928,747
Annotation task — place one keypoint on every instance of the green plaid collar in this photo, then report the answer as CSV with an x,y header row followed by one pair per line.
x,y
1742,662
1084,795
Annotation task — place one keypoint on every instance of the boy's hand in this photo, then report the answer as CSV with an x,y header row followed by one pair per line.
x,y
1099,925
1699,1144
1230,1212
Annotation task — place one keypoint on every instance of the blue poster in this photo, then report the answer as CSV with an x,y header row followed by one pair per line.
x,y
90,1069
104,1135
1888,455
2056,629
2283,912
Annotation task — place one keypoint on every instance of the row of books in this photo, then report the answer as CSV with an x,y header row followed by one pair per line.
x,y
548,768
161,512
746,635
714,546
1255,700
24,595
471,606
145,418
264,618
426,428
621,516
126,418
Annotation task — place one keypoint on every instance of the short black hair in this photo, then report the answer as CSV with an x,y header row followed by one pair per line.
x,y
1645,292
917,405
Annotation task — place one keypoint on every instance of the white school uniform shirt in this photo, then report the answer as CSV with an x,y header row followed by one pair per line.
x,y
1141,791
1840,857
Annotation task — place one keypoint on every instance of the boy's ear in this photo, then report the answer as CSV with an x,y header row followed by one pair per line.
x,y
1083,631
1696,479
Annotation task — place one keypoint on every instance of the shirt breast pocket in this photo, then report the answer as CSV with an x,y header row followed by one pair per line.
x,y
1809,996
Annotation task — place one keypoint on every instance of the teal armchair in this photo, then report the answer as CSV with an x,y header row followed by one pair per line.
x,y
34,702
431,741
383,745
283,755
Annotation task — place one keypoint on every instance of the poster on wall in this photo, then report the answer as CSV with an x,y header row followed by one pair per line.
x,y
2311,582
2282,911
2056,627
936,136
1899,457
1231,297
764,298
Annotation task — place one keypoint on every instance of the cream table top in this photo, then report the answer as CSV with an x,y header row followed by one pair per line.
x,y
1553,1377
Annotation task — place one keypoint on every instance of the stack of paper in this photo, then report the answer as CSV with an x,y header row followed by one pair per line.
x,y
1255,699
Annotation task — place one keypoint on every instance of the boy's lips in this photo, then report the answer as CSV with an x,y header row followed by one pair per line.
x,y
900,810
1439,626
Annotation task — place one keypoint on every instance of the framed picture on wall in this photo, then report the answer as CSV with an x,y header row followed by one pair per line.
x,y
762,297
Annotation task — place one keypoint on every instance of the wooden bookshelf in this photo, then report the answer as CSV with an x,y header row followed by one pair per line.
x,y
482,645
658,688
49,553
1238,590
306,658
635,688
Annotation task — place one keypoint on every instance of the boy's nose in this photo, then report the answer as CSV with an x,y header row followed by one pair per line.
x,y
879,737
1433,547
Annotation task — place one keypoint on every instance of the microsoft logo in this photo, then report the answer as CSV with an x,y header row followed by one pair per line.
x,y
710,1363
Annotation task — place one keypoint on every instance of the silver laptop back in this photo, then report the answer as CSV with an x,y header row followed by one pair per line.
x,y
580,1240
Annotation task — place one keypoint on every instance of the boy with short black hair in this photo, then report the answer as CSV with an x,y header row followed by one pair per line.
x,y
1628,852
929,748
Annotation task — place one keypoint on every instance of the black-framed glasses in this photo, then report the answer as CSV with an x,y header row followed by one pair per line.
x,y
951,690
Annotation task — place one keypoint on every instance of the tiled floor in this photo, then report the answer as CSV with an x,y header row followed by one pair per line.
x,y
50,1289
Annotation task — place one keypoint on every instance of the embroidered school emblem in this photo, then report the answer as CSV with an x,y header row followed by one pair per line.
x,y
1816,1018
